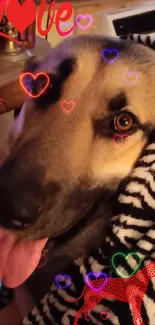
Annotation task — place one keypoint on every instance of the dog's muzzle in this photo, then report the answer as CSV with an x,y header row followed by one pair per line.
x,y
20,198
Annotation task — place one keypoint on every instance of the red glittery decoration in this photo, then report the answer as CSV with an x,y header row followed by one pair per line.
x,y
130,290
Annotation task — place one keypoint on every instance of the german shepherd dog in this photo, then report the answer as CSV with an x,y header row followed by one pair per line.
x,y
64,166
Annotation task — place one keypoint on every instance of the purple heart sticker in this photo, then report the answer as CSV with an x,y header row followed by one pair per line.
x,y
96,276
84,17
63,278
107,52
130,77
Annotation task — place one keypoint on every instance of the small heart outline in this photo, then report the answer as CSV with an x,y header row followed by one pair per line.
x,y
62,277
96,275
103,313
130,74
67,102
34,77
126,257
39,267
84,17
109,51
120,136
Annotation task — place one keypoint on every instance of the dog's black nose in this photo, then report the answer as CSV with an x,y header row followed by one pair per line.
x,y
20,198
17,210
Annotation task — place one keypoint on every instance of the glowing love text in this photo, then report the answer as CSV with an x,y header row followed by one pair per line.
x,y
22,16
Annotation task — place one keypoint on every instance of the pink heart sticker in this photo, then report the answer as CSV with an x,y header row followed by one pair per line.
x,y
42,261
119,144
130,77
104,315
88,17
67,106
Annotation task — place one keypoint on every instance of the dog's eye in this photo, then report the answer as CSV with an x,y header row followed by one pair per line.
x,y
124,121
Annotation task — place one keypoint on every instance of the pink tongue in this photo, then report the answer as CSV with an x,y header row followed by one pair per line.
x,y
18,258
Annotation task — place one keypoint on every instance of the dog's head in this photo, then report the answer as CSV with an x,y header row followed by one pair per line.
x,y
61,163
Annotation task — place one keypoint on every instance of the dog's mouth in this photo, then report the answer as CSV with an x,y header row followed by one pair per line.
x,y
18,258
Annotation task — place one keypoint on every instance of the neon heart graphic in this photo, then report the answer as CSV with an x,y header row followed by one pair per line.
x,y
67,106
119,145
84,17
106,53
42,261
130,77
104,315
21,16
62,278
25,74
100,283
62,25
126,257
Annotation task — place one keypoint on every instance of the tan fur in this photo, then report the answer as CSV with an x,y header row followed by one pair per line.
x,y
62,148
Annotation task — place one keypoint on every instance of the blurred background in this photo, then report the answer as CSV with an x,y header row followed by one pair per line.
x,y
13,60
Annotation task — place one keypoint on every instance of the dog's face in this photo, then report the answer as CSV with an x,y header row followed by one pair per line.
x,y
60,163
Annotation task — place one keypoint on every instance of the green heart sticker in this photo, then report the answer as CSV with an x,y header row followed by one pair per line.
x,y
126,257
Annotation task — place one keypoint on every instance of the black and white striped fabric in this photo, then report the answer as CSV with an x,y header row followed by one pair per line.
x,y
132,229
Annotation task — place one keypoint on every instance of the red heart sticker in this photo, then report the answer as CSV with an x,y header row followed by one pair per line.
x,y
25,74
42,261
104,315
119,144
21,16
67,106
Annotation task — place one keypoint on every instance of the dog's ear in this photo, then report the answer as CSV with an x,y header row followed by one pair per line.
x,y
53,92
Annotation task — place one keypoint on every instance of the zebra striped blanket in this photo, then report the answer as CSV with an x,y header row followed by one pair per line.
x,y
132,230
